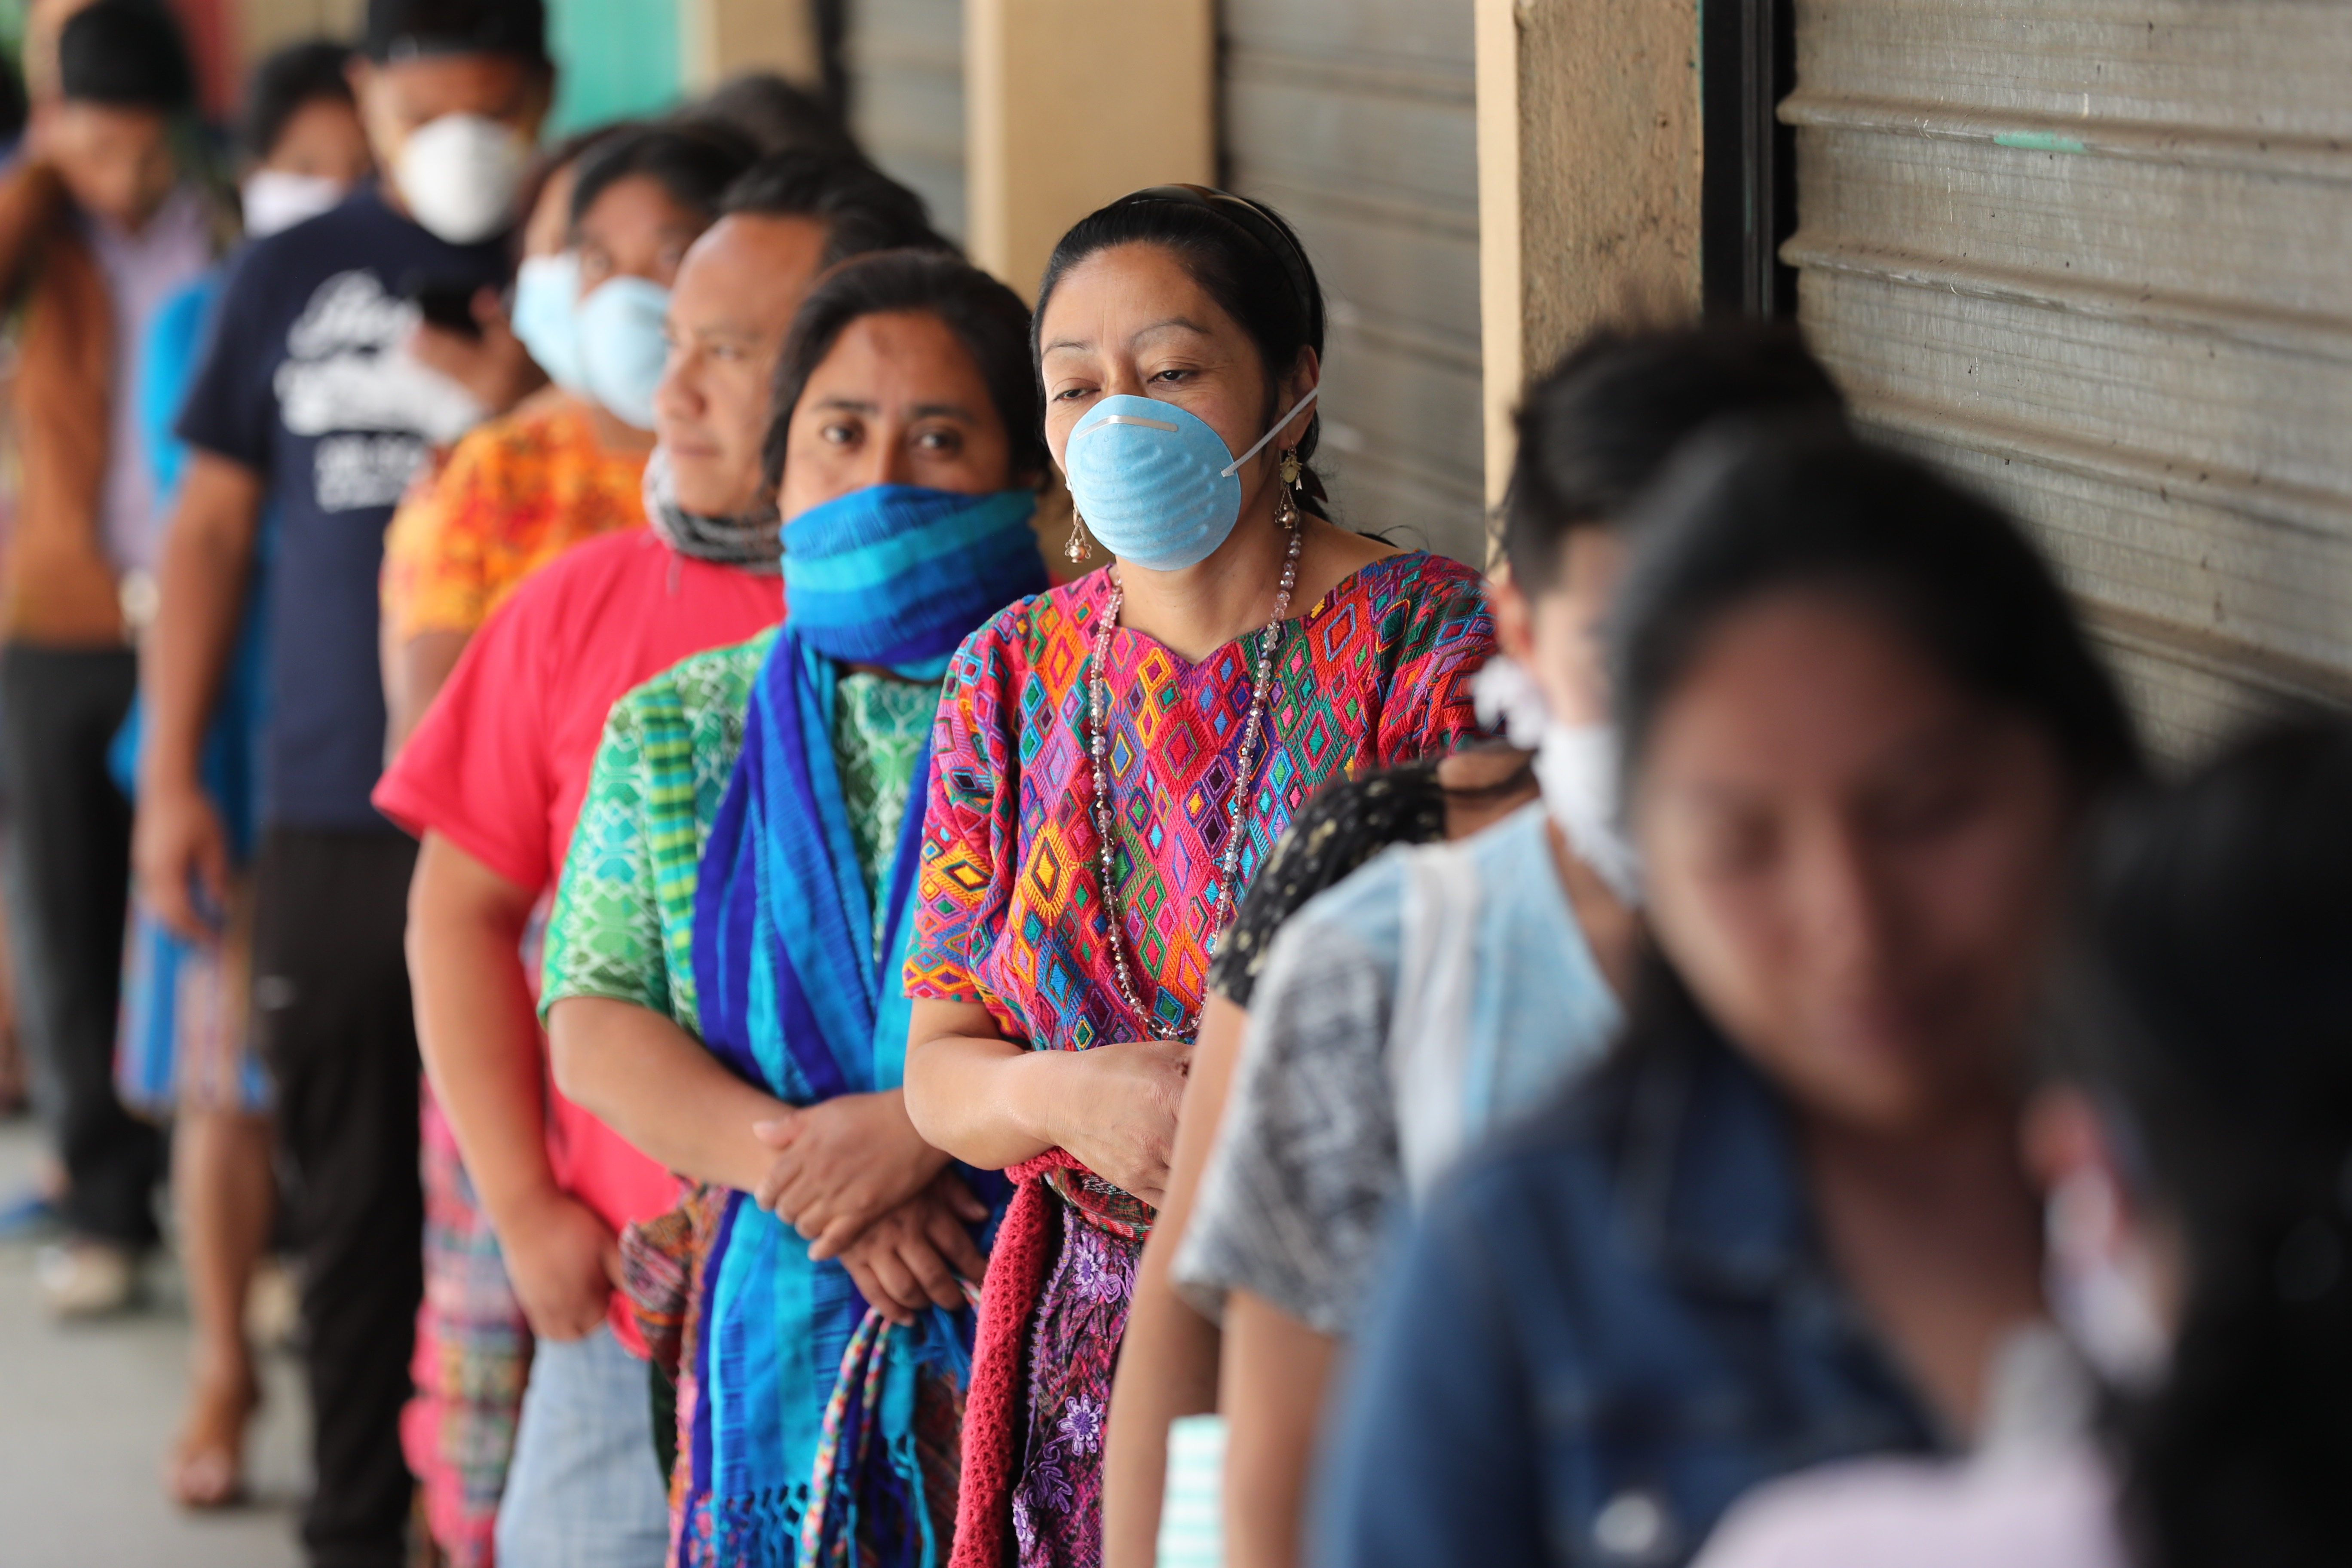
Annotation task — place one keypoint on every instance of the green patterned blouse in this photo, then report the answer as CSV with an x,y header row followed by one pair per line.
x,y
623,922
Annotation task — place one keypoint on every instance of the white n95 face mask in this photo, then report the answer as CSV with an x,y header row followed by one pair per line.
x,y
1576,767
1155,482
459,174
275,199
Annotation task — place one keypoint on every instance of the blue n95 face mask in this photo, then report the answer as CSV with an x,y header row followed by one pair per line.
x,y
621,350
546,316
1155,483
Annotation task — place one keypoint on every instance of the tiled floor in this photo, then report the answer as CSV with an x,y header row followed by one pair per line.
x,y
86,1413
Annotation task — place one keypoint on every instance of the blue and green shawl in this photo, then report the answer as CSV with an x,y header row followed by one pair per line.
x,y
808,1439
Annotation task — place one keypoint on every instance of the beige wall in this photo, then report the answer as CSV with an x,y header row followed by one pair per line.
x,y
1070,103
1588,181
263,26
723,38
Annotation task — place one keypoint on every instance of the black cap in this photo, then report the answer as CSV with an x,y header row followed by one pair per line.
x,y
407,29
127,53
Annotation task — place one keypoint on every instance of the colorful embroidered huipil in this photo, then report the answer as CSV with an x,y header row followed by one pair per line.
x,y
1010,915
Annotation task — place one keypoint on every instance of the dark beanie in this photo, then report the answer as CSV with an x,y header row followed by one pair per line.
x,y
127,53
407,29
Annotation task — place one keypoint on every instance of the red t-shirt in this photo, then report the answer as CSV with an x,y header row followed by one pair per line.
x,y
499,764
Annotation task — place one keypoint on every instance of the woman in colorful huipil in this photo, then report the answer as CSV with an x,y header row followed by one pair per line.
x,y
724,961
1114,758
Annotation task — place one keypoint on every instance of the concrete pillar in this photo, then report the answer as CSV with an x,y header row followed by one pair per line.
x,y
723,38
1588,181
1070,103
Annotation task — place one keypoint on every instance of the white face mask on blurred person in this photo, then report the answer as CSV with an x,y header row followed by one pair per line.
x,y
276,199
2100,1283
459,174
1576,768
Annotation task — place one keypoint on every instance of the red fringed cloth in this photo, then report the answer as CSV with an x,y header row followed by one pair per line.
x,y
1026,1245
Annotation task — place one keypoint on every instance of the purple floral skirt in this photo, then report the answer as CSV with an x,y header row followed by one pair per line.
x,y
1072,1353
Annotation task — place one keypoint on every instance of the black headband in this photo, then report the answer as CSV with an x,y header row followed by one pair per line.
x,y
1268,234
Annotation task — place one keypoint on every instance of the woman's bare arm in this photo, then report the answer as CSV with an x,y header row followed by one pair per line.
x,y
993,1102
1167,1363
658,1087
1276,1374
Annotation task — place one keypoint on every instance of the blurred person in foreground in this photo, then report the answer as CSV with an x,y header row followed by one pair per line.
x,y
309,405
2195,1148
566,466
1787,1221
101,225
492,781
185,1049
1427,999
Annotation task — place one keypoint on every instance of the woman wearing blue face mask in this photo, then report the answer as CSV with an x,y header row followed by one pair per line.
x,y
1115,758
727,950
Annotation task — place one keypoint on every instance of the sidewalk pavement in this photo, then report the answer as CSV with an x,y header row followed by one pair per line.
x,y
87,1412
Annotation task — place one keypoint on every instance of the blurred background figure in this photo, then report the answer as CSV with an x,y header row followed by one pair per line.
x,y
309,405
2195,1152
186,1050
102,223
565,467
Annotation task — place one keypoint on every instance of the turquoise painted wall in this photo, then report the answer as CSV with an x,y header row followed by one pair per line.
x,y
614,58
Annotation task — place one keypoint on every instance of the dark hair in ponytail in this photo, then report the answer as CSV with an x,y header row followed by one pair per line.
x,y
2217,1015
1596,430
1244,257
1766,507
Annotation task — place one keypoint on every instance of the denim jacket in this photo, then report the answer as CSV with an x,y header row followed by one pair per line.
x,y
1603,1329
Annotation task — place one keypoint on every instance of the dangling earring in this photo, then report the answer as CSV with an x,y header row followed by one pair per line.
x,y
1286,505
1081,544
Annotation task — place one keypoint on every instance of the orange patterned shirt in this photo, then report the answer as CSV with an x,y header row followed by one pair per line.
x,y
515,493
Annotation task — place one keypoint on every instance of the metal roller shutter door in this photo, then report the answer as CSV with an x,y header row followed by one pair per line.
x,y
904,63
1355,120
2093,258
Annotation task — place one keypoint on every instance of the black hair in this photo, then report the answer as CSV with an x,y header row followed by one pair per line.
x,y
2216,1018
125,54
771,112
285,84
862,208
398,30
694,164
1244,257
987,318
1767,506
1598,428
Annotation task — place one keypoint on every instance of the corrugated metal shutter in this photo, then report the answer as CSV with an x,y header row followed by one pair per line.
x,y
904,63
1355,119
2097,257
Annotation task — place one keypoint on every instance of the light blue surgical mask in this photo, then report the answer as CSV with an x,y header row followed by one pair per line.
x,y
1155,482
621,350
546,316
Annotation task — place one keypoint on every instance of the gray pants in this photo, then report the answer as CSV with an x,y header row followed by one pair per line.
x,y
583,1490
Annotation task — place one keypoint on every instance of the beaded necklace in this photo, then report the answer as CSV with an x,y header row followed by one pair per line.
x,y
1099,750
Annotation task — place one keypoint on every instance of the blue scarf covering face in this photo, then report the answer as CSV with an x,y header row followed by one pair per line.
x,y
797,997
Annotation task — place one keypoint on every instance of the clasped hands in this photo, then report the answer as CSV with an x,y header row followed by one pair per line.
x,y
852,1175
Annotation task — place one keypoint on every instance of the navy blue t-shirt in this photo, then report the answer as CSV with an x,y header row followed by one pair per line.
x,y
303,382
